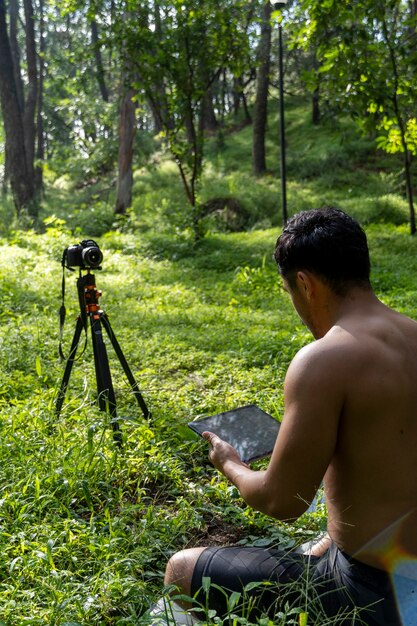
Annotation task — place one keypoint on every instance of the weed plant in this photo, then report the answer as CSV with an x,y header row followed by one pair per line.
x,y
297,605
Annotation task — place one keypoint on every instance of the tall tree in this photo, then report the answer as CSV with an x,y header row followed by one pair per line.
x,y
208,114
15,50
81,88
29,113
16,157
240,83
99,61
40,135
194,42
262,85
127,131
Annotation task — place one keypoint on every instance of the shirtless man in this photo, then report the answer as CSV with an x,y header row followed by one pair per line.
x,y
350,420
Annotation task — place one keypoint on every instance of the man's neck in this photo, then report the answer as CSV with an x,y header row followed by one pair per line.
x,y
332,309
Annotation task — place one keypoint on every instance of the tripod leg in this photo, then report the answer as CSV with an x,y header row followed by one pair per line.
x,y
105,390
133,384
68,368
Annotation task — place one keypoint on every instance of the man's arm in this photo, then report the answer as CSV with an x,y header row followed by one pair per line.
x,y
313,395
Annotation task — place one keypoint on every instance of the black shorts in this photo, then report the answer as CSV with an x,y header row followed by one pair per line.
x,y
333,585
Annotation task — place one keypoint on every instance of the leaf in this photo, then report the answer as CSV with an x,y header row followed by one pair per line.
x,y
233,600
303,619
257,584
37,487
261,543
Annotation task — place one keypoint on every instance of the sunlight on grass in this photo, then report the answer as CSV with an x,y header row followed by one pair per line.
x,y
86,528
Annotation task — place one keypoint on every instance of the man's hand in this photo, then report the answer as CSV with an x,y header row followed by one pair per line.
x,y
226,459
222,453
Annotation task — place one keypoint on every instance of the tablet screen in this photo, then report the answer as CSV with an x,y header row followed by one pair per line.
x,y
248,429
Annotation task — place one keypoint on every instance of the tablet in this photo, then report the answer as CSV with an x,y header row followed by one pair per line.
x,y
248,429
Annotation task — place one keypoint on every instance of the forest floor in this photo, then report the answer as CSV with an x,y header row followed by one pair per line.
x,y
86,526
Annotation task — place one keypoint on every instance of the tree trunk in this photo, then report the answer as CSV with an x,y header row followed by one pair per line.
x,y
15,50
412,23
261,102
239,96
40,139
409,189
99,62
401,125
127,130
158,101
315,102
21,182
29,114
209,117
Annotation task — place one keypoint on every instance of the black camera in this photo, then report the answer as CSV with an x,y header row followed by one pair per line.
x,y
85,254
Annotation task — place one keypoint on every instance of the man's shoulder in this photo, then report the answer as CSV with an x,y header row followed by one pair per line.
x,y
334,352
319,373
335,338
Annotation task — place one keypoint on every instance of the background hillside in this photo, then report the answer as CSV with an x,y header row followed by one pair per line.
x,y
114,111
331,164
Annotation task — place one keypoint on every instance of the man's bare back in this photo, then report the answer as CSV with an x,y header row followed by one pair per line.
x,y
371,482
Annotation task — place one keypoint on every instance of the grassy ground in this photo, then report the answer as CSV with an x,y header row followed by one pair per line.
x,y
85,527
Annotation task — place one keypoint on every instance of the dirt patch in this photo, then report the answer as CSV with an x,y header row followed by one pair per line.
x,y
218,532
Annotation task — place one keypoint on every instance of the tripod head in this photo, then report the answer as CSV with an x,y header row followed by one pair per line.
x,y
88,296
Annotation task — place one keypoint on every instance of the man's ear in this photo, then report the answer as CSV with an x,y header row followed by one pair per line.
x,y
306,283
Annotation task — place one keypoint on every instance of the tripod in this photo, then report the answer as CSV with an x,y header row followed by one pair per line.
x,y
88,297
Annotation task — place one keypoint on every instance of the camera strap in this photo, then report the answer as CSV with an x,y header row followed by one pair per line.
x,y
62,314
62,310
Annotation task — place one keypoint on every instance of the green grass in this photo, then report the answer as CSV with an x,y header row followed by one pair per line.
x,y
86,528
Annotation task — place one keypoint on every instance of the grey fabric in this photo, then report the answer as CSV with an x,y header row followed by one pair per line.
x,y
332,585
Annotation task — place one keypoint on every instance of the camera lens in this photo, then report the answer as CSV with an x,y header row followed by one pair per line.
x,y
92,256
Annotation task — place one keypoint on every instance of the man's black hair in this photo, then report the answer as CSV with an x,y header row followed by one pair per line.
x,y
327,242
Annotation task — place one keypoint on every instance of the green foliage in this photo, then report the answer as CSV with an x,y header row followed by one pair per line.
x,y
86,528
79,123
7,213
392,141
365,64
177,52
330,164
